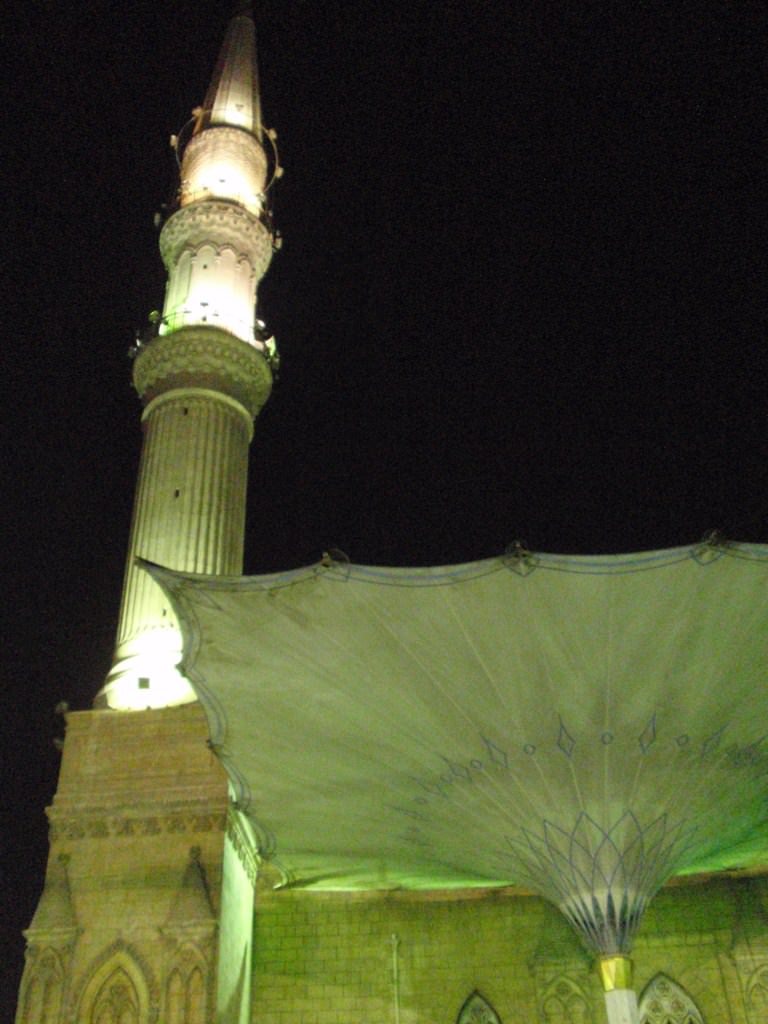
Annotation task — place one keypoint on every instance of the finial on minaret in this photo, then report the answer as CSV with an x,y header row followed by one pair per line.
x,y
233,95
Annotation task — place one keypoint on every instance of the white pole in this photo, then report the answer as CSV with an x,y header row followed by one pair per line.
x,y
620,999
396,976
621,1006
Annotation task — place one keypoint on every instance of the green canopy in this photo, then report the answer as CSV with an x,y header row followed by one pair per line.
x,y
583,726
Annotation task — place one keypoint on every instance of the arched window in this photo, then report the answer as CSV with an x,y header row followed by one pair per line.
x,y
477,1010
665,1002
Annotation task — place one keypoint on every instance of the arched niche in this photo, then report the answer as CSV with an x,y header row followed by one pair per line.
x,y
187,988
477,1010
40,998
757,993
563,1002
118,989
663,1001
117,1000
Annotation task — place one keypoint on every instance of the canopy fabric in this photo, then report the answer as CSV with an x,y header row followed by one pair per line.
x,y
583,726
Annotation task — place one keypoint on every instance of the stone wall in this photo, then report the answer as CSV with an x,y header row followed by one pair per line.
x,y
126,927
133,919
336,958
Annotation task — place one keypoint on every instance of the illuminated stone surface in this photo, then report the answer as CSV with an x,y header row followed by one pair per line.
x,y
327,955
147,911
137,792
202,378
136,909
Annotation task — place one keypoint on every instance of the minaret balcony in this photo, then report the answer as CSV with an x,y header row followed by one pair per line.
x,y
204,357
219,224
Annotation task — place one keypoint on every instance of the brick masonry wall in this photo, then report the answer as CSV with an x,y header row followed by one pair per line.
x,y
327,958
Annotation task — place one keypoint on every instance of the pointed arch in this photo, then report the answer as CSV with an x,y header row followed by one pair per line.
x,y
174,999
188,987
118,988
42,989
196,998
117,1000
664,1001
564,1002
757,991
177,290
477,1010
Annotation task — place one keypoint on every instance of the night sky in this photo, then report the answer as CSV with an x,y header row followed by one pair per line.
x,y
522,295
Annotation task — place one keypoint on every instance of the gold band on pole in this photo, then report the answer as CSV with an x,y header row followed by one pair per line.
x,y
615,972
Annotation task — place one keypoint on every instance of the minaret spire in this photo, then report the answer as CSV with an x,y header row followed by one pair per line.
x,y
202,377
233,95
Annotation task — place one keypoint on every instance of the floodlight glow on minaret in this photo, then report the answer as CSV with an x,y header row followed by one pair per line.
x,y
202,378
214,281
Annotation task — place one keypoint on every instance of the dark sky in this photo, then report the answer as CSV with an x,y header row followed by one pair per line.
x,y
522,295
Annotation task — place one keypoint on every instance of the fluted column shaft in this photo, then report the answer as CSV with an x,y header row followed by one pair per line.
x,y
202,387
190,497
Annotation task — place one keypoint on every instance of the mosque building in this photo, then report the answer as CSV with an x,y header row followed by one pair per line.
x,y
530,788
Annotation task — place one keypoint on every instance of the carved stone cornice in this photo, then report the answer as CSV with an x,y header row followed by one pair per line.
x,y
219,223
96,824
242,846
203,356
60,946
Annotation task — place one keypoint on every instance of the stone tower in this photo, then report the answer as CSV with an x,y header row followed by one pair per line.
x,y
146,914
202,373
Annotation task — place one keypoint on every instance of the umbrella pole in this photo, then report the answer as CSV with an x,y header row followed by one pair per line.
x,y
620,998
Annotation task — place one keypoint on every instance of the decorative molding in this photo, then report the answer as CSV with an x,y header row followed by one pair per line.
x,y
120,955
663,1001
117,1000
243,847
203,357
187,960
564,1001
757,994
186,954
42,987
99,825
189,398
219,223
477,1010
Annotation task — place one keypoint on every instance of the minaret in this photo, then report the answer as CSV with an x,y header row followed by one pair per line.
x,y
147,909
202,373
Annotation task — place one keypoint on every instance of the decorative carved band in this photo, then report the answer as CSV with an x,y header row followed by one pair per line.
x,y
190,397
243,847
219,223
72,827
203,357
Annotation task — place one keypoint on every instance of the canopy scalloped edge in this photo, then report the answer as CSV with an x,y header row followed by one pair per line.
x,y
530,718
